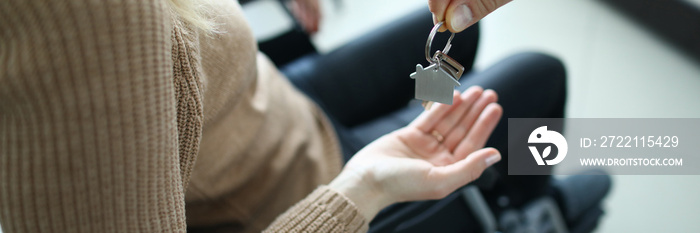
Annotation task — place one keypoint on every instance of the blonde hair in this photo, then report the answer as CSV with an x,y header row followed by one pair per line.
x,y
194,12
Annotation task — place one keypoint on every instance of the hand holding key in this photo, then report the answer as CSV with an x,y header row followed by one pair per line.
x,y
457,15
460,14
437,153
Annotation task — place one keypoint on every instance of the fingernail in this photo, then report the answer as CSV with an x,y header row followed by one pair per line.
x,y
461,17
493,159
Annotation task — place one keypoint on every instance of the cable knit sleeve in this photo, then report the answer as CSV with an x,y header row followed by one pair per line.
x,y
88,134
324,210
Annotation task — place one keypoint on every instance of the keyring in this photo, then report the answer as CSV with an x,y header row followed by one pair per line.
x,y
429,43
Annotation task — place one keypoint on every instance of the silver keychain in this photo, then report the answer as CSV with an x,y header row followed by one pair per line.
x,y
436,82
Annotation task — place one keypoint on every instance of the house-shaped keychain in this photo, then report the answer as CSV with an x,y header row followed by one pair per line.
x,y
434,84
437,81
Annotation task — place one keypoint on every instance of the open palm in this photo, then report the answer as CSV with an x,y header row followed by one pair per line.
x,y
437,153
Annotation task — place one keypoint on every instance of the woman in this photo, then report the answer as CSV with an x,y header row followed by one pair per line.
x,y
130,116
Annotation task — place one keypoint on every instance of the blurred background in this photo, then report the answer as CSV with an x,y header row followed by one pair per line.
x,y
625,59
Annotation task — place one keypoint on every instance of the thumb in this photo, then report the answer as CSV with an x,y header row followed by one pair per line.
x,y
464,171
460,14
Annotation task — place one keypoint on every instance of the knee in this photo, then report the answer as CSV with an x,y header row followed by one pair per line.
x,y
543,77
545,70
545,66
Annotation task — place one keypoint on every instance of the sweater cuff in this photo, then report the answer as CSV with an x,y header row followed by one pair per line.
x,y
324,210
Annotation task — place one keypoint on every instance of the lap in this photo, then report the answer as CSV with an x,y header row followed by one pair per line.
x,y
529,85
365,90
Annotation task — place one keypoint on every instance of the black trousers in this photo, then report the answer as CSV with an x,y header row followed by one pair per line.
x,y
365,89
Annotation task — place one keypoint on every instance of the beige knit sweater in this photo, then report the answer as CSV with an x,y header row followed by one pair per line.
x,y
117,117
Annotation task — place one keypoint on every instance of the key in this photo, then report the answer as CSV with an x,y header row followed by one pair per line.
x,y
436,82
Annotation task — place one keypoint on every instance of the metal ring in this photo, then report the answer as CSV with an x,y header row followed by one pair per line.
x,y
429,43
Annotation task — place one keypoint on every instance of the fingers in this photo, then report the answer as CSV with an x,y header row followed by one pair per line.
x,y
308,13
459,132
481,131
438,8
451,120
314,15
449,178
460,14
427,120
